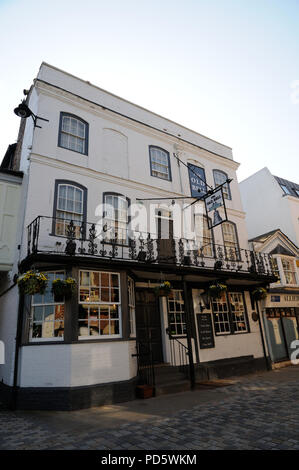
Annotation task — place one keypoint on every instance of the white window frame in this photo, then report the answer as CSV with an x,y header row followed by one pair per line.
x,y
75,136
293,271
98,304
58,275
241,311
132,307
221,316
113,223
76,217
219,178
181,312
160,163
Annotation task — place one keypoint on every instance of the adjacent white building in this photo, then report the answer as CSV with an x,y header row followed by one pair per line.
x,y
271,204
106,190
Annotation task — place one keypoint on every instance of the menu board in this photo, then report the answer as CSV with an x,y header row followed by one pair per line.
x,y
205,331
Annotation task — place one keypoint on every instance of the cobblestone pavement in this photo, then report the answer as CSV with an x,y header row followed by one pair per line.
x,y
256,412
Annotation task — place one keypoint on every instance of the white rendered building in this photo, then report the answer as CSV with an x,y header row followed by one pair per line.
x,y
106,187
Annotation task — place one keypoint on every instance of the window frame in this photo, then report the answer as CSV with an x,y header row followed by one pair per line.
x,y
229,197
61,339
168,159
230,315
212,244
109,193
98,304
131,307
86,139
286,190
55,202
174,312
292,271
238,257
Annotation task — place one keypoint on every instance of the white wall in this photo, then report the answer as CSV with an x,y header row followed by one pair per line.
x,y
267,207
76,365
10,191
233,345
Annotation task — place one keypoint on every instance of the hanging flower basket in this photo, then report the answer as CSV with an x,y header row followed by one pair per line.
x,y
216,290
63,288
32,282
259,293
163,290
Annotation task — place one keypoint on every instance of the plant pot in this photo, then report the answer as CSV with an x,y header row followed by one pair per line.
x,y
144,391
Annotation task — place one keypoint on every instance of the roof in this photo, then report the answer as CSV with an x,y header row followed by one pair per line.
x,y
7,161
262,238
55,77
292,187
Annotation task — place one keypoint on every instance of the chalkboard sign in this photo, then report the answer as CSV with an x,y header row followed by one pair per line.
x,y
205,331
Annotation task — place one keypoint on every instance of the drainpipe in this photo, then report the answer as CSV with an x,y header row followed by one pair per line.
x,y
189,331
262,336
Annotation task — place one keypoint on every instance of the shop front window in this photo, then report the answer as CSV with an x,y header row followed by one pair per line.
x,y
47,316
99,304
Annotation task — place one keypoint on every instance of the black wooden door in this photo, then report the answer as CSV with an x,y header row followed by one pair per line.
x,y
148,327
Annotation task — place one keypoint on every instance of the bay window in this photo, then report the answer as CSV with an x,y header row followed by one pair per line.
x,y
47,316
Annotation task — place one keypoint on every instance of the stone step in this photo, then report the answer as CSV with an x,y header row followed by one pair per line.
x,y
173,387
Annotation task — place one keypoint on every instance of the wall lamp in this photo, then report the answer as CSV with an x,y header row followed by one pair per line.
x,y
205,298
24,112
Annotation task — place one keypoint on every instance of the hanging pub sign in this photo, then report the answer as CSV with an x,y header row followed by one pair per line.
x,y
213,202
197,178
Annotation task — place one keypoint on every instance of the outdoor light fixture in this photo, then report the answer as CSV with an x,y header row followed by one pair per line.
x,y
24,112
206,301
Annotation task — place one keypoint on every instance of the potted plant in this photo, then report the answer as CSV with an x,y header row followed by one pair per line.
x,y
259,293
63,288
144,391
32,282
216,290
163,290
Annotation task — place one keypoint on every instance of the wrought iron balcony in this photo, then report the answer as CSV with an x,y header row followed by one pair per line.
x,y
48,235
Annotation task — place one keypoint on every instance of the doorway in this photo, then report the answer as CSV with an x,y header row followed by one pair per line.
x,y
282,329
148,327
165,245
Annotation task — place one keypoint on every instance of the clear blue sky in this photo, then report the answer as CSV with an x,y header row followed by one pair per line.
x,y
224,68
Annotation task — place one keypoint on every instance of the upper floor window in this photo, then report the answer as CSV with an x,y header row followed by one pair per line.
x,y
219,178
73,133
289,270
285,189
160,163
275,269
204,236
230,241
116,217
69,204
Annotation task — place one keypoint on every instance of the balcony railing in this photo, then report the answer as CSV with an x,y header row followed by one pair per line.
x,y
90,240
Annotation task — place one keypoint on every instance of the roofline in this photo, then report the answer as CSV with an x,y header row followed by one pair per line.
x,y
270,234
133,104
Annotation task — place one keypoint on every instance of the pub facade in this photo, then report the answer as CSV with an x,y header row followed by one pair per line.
x,y
162,279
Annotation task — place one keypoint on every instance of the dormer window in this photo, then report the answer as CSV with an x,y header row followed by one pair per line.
x,y
73,133
285,189
289,270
